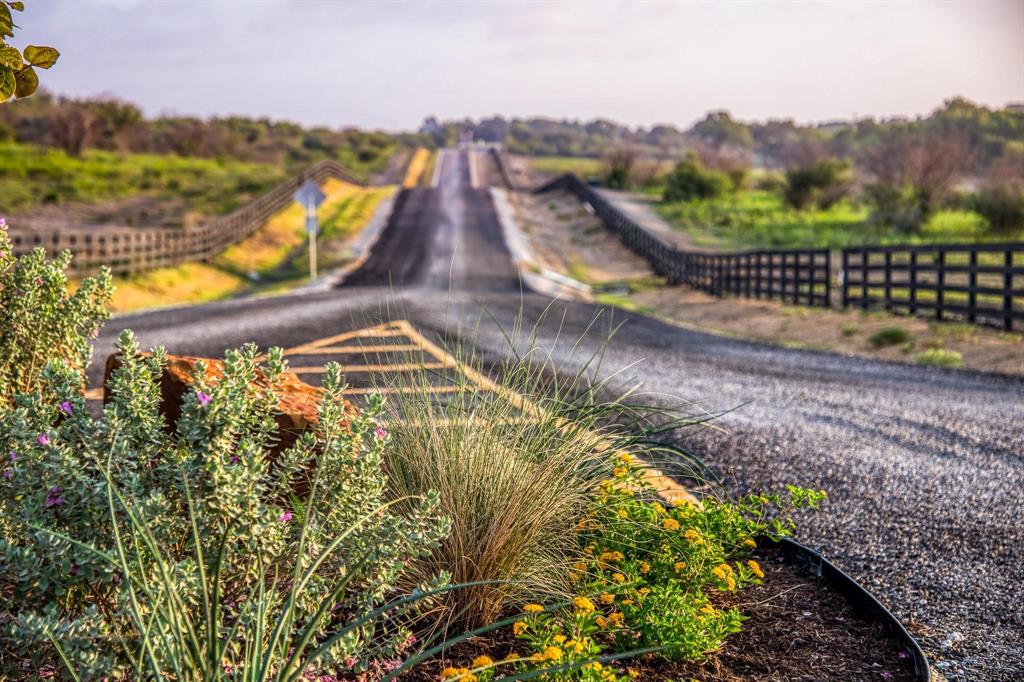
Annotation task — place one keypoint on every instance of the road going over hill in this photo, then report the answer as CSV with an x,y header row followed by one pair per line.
x,y
924,467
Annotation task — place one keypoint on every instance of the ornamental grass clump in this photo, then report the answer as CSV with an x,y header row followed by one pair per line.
x,y
513,465
40,321
131,548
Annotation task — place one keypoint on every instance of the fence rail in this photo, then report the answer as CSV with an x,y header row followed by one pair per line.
x,y
981,283
796,276
129,250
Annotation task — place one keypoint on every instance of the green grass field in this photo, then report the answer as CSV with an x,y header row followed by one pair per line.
x,y
32,176
753,219
557,165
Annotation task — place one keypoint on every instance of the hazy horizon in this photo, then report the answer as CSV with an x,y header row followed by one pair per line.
x,y
389,65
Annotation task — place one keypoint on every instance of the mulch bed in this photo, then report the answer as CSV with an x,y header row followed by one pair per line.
x,y
797,629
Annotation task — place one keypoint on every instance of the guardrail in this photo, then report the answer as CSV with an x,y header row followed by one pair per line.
x,y
499,161
981,283
128,250
796,276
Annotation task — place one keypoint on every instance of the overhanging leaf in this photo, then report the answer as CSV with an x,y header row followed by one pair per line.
x,y
6,23
41,56
7,83
27,81
9,56
17,6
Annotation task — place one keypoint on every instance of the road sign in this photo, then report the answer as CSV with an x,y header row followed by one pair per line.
x,y
310,196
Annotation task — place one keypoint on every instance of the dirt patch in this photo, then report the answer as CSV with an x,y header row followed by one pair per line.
x,y
851,332
797,628
566,238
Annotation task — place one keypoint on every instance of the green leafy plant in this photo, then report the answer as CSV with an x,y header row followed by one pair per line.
x,y
821,184
690,179
889,336
40,321
186,550
18,77
646,579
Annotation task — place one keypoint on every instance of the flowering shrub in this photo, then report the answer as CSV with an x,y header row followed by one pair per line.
x,y
646,577
39,320
186,552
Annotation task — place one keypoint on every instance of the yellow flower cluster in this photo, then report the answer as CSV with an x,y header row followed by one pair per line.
x,y
670,524
460,674
755,568
533,608
725,573
582,604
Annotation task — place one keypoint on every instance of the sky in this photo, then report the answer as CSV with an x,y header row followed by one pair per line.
x,y
390,64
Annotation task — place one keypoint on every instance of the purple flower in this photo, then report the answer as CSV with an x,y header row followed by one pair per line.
x,y
904,655
43,439
3,221
381,432
73,570
7,473
203,398
285,517
14,456
66,408
235,459
886,675
53,497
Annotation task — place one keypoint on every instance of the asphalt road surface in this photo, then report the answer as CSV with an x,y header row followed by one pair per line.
x,y
924,467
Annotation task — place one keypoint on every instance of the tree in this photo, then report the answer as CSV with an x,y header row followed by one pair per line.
x,y
719,129
73,127
618,166
913,171
18,76
691,180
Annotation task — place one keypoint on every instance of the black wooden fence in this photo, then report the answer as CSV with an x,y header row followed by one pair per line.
x,y
796,276
981,283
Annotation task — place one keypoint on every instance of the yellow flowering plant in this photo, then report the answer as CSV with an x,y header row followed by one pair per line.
x,y
645,580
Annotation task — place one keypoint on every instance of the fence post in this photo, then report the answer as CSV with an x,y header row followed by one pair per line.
x,y
864,279
913,281
888,280
940,283
1008,289
813,258
972,285
828,278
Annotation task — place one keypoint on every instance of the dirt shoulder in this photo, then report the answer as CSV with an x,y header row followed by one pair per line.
x,y
569,240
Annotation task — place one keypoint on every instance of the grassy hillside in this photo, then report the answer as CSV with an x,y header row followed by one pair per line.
x,y
33,177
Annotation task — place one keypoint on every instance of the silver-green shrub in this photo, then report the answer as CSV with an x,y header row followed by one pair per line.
x,y
144,551
39,320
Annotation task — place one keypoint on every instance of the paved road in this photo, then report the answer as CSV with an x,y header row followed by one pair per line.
x,y
924,467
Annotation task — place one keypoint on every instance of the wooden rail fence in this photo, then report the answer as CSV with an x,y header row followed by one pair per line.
x,y
978,283
796,276
129,250
981,283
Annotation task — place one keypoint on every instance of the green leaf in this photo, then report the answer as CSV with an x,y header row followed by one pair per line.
x,y
43,57
9,56
17,6
6,23
7,83
27,82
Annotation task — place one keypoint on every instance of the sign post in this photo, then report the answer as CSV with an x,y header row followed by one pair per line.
x,y
310,196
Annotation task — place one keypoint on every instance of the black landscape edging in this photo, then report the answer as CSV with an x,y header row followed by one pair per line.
x,y
860,600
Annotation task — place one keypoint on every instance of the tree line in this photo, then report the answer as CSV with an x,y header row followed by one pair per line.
x,y
76,125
